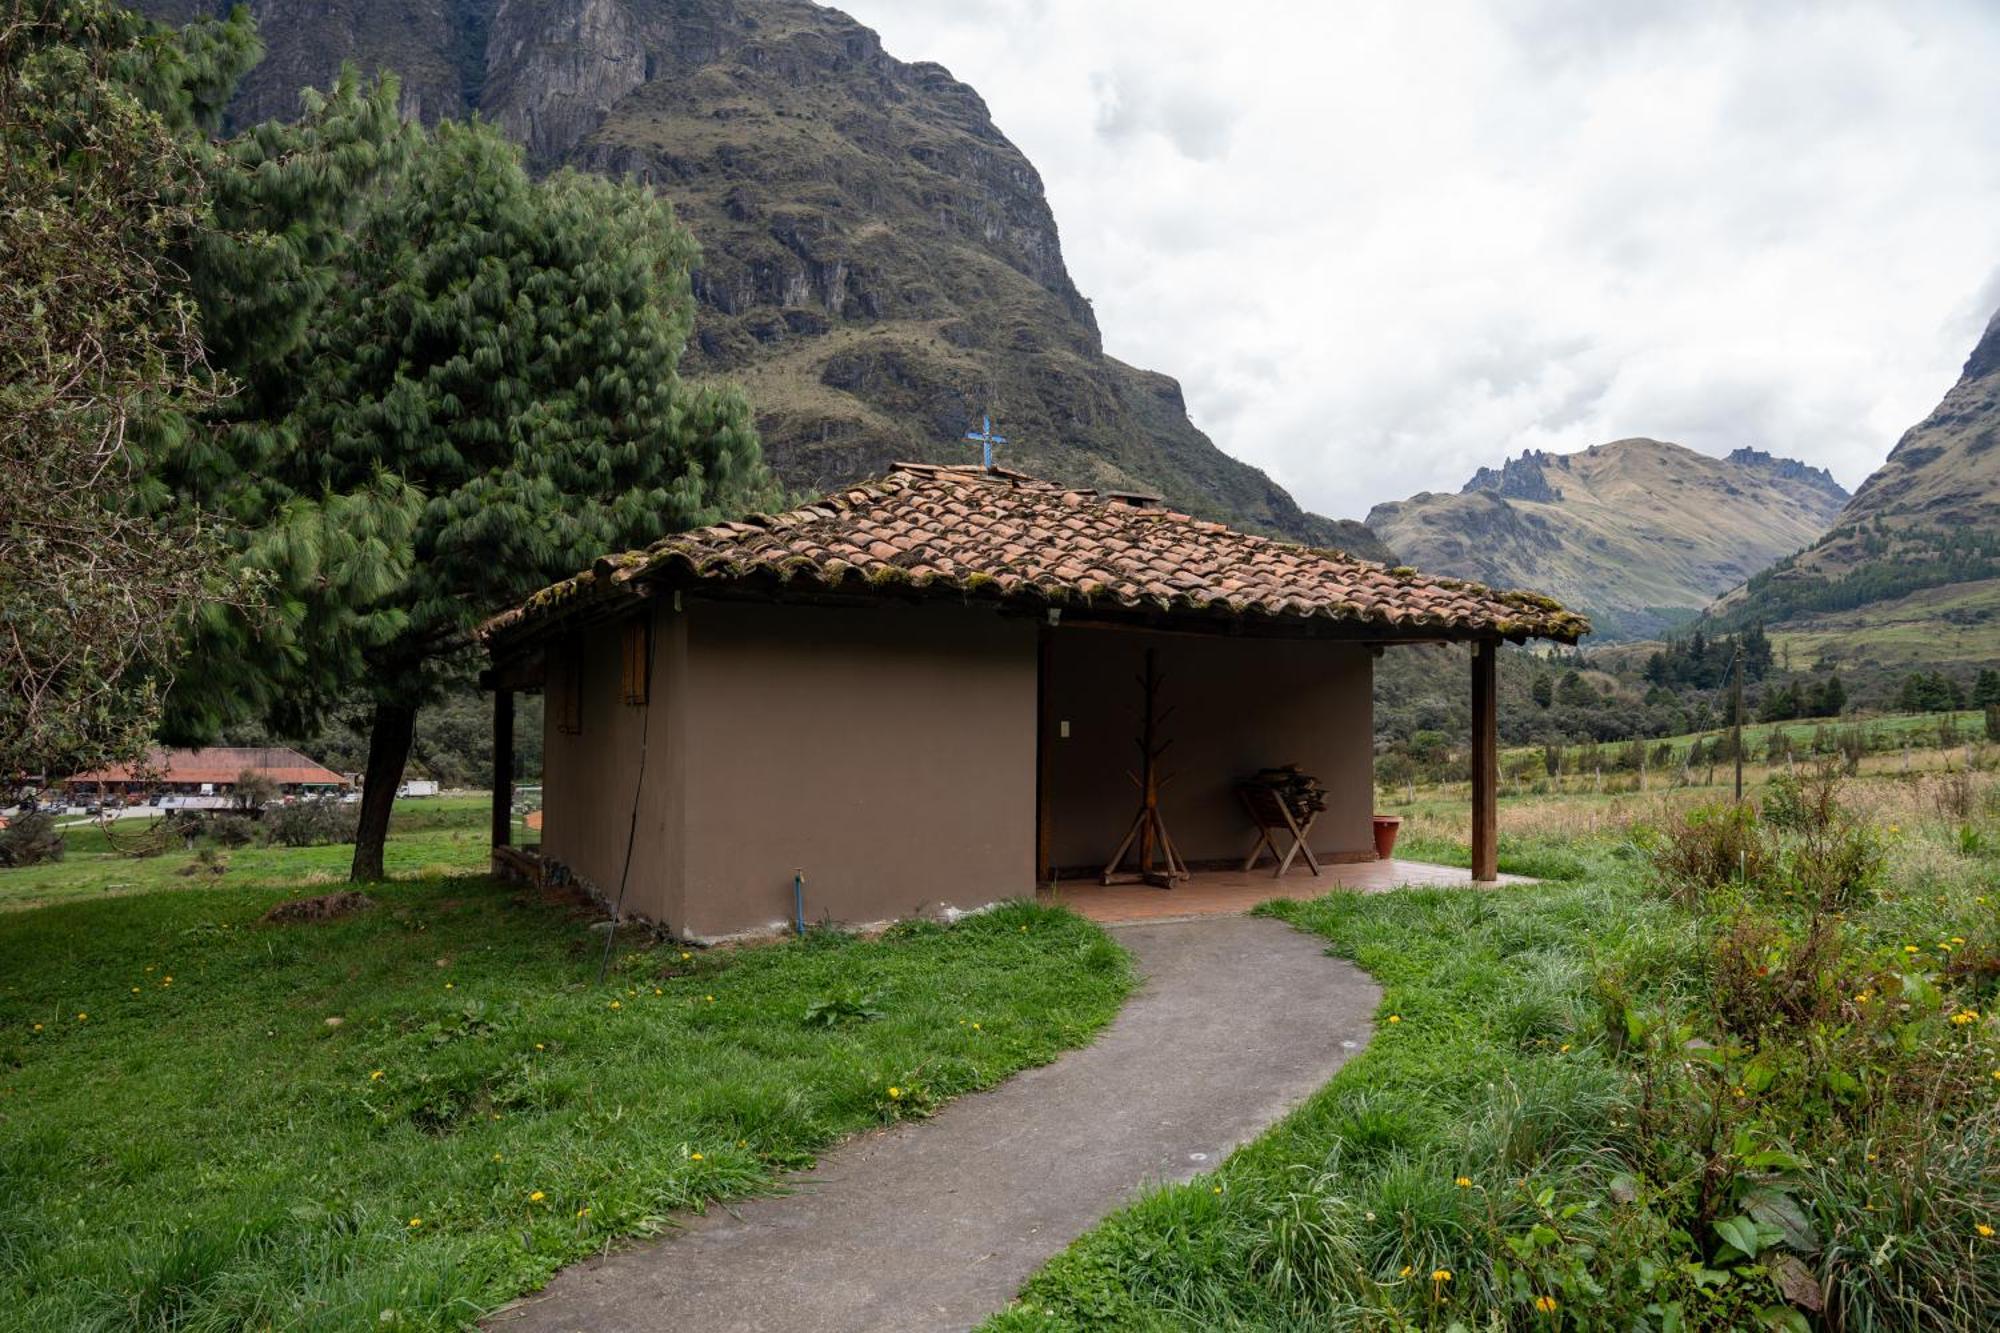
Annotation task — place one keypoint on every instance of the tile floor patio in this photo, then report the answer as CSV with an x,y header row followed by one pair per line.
x,y
1227,892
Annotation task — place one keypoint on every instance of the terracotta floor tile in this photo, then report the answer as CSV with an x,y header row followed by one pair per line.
x,y
1228,892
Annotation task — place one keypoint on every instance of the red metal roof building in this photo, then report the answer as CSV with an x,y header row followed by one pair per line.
x,y
215,767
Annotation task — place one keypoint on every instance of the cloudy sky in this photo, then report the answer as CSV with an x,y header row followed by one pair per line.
x,y
1382,244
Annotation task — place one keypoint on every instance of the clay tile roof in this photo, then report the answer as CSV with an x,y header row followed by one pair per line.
x,y
220,764
1001,536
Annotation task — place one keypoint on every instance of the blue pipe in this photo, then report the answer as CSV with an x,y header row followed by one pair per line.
x,y
799,902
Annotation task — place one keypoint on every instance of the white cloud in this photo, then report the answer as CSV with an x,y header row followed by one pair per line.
x,y
1383,244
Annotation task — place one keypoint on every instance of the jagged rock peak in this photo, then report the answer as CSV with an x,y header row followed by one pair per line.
x,y
1523,478
1791,469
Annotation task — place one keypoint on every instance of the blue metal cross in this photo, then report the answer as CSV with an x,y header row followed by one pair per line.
x,y
985,436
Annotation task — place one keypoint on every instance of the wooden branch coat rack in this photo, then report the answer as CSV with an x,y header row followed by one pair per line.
x,y
1149,828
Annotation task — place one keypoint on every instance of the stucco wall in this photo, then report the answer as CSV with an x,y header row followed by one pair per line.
x,y
889,752
1239,705
588,778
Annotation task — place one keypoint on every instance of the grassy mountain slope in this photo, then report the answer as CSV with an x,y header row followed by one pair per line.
x,y
1910,572
1639,533
880,266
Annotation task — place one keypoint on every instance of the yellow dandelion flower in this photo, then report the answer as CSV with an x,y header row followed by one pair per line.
x,y
1909,948
1216,1190
1563,1049
1983,1229
416,1222
498,1158
1464,1182
686,956
375,1076
895,1093
1964,1016
450,985
978,1028
540,1047
1441,1275
658,991
537,1197
615,1004
709,998
742,1143
1545,1304
166,981
583,1212
1395,1018
1406,1271
135,990
1958,939
83,1018
694,1157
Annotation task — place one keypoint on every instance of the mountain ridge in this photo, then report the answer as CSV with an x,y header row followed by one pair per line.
x,y
1909,572
1639,533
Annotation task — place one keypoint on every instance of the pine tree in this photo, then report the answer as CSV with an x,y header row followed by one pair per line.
x,y
1986,688
481,398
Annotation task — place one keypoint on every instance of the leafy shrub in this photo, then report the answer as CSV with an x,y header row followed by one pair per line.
x,y
233,830
30,839
1706,849
312,822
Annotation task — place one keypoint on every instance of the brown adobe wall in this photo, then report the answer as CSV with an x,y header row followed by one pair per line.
x,y
889,752
588,778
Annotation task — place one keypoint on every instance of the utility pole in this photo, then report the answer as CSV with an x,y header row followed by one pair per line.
x,y
1736,704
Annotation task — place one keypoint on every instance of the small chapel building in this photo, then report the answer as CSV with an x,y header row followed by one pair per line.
x,y
924,693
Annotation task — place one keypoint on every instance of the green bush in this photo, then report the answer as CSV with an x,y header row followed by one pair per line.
x,y
31,838
312,822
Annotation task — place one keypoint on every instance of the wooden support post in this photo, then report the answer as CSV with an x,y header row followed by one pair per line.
x,y
1485,764
503,767
1045,740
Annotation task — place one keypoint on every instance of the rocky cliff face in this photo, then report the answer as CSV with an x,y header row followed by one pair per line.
x,y
1639,533
880,266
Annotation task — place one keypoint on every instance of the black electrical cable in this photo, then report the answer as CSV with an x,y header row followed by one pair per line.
x,y
632,829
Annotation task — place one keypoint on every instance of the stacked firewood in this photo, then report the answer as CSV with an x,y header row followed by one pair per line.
x,y
1301,792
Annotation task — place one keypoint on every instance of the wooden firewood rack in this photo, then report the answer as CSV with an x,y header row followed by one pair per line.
x,y
1274,820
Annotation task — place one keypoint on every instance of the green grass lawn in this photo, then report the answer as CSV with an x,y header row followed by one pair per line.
x,y
429,836
189,1140
1529,1141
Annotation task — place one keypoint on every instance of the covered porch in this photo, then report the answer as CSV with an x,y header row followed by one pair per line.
x,y
1232,892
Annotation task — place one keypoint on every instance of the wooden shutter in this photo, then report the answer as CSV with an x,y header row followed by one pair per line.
x,y
568,691
636,664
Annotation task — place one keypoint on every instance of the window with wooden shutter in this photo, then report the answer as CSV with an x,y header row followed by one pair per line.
x,y
567,694
636,662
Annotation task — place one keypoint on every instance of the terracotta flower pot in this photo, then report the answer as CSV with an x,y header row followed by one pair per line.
x,y
1386,828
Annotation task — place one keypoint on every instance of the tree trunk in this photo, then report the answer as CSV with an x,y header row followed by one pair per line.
x,y
388,750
